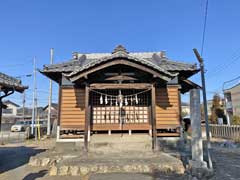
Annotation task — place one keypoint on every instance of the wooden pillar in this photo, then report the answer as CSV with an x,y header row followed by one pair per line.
x,y
153,120
59,104
87,120
180,114
59,113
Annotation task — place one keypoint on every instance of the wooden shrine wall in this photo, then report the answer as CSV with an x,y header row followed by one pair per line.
x,y
72,114
72,110
167,107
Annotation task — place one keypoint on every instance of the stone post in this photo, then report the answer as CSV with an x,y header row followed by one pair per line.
x,y
195,116
196,143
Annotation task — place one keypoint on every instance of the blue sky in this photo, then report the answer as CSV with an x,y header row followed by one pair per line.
x,y
30,28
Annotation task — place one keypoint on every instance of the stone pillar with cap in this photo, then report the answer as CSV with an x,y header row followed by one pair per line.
x,y
196,142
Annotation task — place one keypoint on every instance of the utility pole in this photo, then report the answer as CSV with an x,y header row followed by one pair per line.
x,y
34,96
24,94
50,98
36,118
200,60
23,110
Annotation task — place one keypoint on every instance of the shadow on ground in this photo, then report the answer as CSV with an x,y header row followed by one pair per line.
x,y
136,176
13,157
33,176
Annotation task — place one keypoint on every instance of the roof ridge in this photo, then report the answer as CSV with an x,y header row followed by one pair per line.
x,y
118,55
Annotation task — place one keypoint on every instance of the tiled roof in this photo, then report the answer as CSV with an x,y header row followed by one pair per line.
x,y
75,64
119,55
8,82
155,60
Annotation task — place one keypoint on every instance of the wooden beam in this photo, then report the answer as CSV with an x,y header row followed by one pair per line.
x,y
120,86
154,130
115,126
168,134
122,62
121,78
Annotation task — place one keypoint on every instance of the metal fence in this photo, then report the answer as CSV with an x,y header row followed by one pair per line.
x,y
225,131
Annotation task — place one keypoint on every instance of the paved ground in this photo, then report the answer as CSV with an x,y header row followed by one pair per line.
x,y
14,158
226,163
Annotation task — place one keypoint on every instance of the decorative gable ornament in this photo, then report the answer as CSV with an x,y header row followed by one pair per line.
x,y
120,49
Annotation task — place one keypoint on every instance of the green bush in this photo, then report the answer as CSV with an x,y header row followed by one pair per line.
x,y
236,120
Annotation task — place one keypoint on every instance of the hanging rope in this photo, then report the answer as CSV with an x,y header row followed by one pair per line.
x,y
116,96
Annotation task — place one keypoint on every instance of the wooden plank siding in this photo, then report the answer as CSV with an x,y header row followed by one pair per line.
x,y
72,109
72,114
167,107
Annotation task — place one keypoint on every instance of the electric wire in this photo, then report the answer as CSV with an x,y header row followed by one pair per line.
x,y
204,27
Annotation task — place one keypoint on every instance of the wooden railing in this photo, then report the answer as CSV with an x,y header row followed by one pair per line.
x,y
225,131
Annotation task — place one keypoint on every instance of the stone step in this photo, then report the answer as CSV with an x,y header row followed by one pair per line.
x,y
166,164
114,143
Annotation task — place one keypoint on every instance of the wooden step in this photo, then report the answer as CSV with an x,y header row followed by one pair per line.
x,y
71,136
168,134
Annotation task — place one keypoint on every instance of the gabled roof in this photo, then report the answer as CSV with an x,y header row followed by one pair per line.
x,y
10,102
10,83
155,60
54,105
119,55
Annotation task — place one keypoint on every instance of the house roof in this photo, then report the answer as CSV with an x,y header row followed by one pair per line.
x,y
229,89
10,83
155,60
54,105
184,104
186,85
10,102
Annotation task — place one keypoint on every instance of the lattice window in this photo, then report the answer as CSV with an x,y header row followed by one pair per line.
x,y
110,112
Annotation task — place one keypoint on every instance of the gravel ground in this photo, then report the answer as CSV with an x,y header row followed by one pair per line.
x,y
14,158
226,164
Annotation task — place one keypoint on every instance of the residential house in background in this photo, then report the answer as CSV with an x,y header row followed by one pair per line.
x,y
185,108
54,111
26,112
9,112
11,108
232,100
209,107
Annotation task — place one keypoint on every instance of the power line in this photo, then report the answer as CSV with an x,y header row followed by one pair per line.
x,y
224,67
204,27
232,80
220,66
14,65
